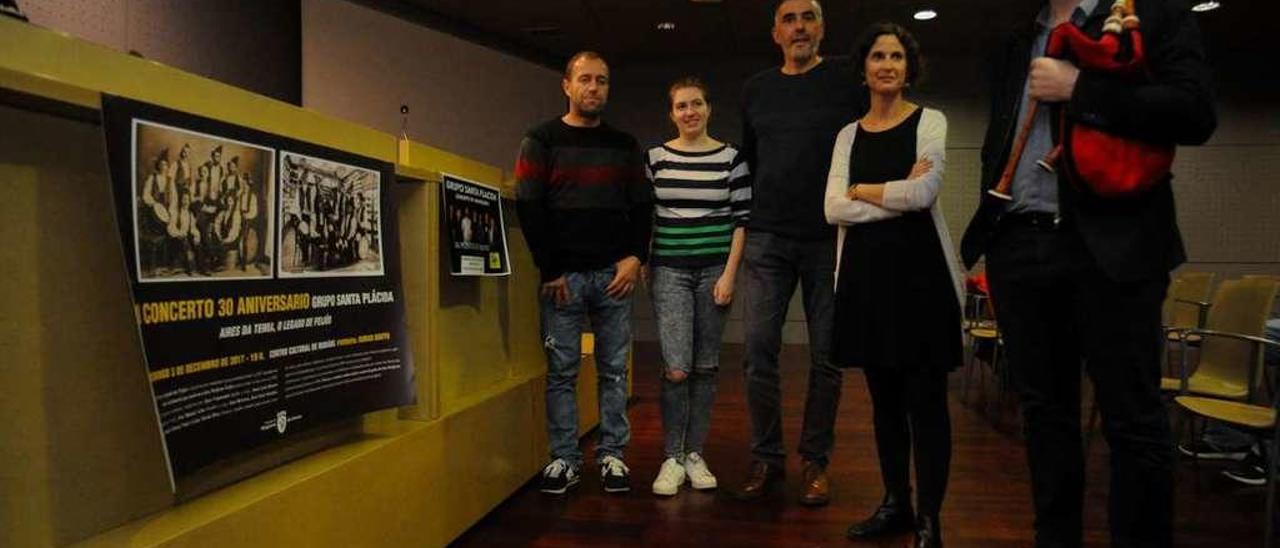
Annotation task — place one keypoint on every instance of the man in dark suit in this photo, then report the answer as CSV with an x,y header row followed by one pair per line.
x,y
1076,277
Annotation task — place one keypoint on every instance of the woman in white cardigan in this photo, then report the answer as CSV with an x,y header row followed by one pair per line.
x,y
897,291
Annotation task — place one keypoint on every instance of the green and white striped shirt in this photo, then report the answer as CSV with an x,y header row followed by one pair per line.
x,y
700,198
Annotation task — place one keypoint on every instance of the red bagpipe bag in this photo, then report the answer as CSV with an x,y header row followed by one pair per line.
x,y
1109,165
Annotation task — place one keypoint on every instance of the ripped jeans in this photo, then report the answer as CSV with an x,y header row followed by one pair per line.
x,y
562,337
690,326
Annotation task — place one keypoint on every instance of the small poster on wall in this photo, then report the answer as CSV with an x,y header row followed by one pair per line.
x,y
265,276
476,233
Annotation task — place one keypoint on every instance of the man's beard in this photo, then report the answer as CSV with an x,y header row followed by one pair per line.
x,y
587,112
804,55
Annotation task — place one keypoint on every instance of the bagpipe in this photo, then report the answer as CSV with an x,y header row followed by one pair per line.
x,y
1109,165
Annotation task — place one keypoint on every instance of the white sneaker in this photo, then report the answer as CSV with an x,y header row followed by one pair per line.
x,y
670,477
699,476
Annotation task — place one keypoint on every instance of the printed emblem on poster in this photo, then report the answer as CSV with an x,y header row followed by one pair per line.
x,y
473,224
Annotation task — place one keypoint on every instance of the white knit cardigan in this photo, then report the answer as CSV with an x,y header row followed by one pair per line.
x,y
900,195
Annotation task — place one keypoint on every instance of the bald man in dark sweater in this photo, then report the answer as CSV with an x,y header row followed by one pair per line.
x,y
791,115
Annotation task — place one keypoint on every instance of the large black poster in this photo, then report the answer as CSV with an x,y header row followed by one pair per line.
x,y
266,279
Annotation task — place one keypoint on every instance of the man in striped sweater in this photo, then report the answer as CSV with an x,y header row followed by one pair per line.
x,y
586,211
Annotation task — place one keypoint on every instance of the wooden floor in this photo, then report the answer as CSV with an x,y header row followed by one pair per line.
x,y
988,503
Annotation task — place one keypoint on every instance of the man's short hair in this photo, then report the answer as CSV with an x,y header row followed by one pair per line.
x,y
585,54
915,66
817,7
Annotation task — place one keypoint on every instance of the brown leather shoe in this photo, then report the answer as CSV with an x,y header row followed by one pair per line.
x,y
760,480
816,490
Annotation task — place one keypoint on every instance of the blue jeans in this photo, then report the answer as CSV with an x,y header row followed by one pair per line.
x,y
773,266
1272,354
1224,436
562,340
690,326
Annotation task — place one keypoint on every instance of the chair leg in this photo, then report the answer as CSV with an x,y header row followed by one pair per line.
x,y
1179,432
970,344
1196,435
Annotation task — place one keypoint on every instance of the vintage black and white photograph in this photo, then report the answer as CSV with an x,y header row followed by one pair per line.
x,y
203,206
330,214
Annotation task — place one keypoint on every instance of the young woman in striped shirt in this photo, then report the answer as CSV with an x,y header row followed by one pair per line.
x,y
702,197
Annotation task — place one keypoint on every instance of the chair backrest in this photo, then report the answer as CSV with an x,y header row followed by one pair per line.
x,y
1275,310
1239,306
977,300
978,308
1187,286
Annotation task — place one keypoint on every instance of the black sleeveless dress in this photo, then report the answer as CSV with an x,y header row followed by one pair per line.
x,y
896,306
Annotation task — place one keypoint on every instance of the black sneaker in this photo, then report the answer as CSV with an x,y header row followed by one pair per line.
x,y
559,476
1251,471
1204,450
614,475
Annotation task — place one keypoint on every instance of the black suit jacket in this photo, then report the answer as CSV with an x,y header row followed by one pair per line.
x,y
1132,238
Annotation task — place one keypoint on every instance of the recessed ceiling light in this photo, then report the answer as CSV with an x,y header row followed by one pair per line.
x,y
666,25
925,15
1205,6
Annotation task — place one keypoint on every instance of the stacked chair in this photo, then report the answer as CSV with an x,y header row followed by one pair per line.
x,y
1228,381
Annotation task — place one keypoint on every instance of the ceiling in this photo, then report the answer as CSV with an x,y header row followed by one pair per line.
x,y
625,31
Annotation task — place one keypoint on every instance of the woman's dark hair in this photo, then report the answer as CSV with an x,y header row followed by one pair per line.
x,y
687,82
884,28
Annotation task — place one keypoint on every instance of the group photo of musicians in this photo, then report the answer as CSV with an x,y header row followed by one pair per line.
x,y
204,206
473,225
329,218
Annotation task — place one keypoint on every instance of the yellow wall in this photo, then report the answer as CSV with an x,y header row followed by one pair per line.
x,y
80,454
81,438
